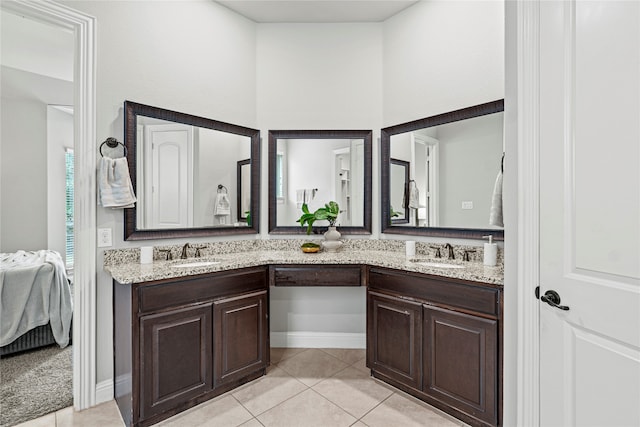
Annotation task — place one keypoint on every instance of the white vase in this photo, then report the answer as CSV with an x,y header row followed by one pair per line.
x,y
331,241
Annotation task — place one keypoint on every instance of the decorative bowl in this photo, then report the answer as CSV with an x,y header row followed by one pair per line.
x,y
310,248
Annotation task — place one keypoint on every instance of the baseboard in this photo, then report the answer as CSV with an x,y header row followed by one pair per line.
x,y
104,391
318,340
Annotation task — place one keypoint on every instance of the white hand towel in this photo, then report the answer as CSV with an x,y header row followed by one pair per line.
x,y
300,198
495,214
414,195
114,184
222,206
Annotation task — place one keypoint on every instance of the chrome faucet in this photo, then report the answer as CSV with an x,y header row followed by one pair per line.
x,y
185,253
451,254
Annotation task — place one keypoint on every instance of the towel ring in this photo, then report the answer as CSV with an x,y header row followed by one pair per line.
x,y
222,187
112,143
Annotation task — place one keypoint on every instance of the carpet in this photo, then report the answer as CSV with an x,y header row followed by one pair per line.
x,y
35,383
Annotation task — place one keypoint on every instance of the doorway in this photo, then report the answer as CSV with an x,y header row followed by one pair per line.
x,y
83,28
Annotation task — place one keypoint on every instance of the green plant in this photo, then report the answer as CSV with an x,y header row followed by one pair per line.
x,y
394,213
247,215
329,212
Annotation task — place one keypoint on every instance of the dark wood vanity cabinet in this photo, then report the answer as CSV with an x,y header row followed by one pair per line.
x,y
179,342
460,361
175,357
394,335
241,335
438,339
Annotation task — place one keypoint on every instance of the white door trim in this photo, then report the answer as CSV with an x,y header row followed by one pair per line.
x,y
528,230
84,82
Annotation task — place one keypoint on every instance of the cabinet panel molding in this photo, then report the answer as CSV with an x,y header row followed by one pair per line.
x,y
175,354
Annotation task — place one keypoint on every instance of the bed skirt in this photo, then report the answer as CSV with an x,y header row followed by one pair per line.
x,y
40,336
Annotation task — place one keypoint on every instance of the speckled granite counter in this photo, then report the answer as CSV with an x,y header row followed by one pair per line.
x,y
126,269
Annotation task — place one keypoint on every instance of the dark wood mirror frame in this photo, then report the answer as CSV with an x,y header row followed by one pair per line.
x,y
405,166
240,165
132,110
274,135
385,161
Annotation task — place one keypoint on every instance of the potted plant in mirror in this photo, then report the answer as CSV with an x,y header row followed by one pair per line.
x,y
330,213
392,214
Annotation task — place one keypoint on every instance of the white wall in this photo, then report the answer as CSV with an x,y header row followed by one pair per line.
x,y
59,137
470,153
189,56
440,56
319,76
23,153
24,175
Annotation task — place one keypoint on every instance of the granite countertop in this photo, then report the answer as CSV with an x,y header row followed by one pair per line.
x,y
128,273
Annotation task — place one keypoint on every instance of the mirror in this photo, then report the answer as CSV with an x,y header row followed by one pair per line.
x,y
315,167
453,160
187,175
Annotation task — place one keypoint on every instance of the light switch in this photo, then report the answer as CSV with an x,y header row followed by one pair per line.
x,y
467,205
104,237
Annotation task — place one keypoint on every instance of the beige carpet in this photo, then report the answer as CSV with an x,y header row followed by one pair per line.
x,y
34,383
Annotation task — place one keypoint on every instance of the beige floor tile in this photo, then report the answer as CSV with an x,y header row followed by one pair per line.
x,y
399,410
347,355
104,415
279,354
252,423
268,391
223,411
307,409
353,390
312,366
359,424
44,421
361,365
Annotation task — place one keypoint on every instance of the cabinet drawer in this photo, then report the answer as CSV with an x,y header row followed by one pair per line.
x,y
177,292
325,275
449,292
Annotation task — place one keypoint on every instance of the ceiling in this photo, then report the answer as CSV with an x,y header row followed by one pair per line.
x,y
316,11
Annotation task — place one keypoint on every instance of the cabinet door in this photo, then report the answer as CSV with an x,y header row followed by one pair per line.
x,y
394,338
240,328
460,361
175,357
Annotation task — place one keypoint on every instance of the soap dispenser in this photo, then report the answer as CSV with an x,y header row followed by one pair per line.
x,y
490,252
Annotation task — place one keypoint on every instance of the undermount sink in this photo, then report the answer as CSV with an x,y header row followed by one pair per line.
x,y
438,264
195,264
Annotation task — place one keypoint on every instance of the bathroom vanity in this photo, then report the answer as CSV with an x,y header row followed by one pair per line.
x,y
185,335
179,342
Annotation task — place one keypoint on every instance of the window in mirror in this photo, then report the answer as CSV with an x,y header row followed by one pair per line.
x,y
453,160
192,176
315,167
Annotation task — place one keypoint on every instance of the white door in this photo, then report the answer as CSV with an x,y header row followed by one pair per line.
x,y
590,212
169,178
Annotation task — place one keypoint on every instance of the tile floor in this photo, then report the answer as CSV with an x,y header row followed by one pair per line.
x,y
303,387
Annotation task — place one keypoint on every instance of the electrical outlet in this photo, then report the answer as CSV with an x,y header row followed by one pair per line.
x,y
467,205
104,237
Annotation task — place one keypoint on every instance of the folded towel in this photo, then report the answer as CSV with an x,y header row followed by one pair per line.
x,y
414,195
495,214
114,184
222,205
